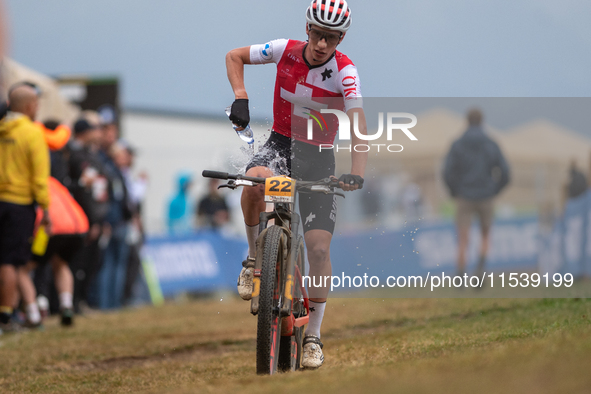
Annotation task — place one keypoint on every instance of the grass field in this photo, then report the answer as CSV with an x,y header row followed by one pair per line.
x,y
371,345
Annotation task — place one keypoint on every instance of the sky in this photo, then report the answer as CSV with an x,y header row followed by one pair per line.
x,y
171,55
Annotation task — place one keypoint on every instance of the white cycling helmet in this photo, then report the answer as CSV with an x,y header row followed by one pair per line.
x,y
330,14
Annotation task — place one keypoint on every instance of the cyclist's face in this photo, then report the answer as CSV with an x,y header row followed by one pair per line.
x,y
321,43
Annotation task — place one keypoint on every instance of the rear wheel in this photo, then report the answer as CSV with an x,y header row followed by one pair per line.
x,y
269,323
290,351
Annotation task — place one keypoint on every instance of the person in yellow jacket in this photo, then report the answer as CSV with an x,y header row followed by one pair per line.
x,y
68,226
24,173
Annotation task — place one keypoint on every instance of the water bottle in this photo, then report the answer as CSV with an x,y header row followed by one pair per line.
x,y
245,134
40,241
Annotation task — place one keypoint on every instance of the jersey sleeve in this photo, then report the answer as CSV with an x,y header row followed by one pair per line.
x,y
270,52
350,87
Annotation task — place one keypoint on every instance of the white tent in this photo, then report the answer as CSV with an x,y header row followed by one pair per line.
x,y
539,153
51,105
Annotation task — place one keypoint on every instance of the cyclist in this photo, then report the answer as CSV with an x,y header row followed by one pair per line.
x,y
310,76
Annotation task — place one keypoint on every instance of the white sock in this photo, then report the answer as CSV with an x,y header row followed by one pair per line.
x,y
65,300
33,314
252,233
43,303
316,315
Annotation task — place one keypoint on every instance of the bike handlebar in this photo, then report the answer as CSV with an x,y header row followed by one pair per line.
x,y
225,175
215,174
330,182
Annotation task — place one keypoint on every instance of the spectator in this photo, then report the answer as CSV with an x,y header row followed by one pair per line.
x,y
178,212
23,181
577,183
212,210
57,136
69,225
475,172
89,185
63,212
111,277
123,156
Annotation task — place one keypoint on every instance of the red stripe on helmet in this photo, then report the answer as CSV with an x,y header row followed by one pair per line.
x,y
331,9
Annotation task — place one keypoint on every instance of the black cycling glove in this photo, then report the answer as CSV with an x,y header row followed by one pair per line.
x,y
350,179
239,114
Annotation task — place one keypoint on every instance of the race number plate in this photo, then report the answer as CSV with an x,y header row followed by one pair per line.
x,y
279,189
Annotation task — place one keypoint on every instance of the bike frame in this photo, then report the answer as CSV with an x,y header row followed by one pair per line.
x,y
289,221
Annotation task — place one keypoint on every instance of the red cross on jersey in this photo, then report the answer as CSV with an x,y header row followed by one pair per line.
x,y
301,91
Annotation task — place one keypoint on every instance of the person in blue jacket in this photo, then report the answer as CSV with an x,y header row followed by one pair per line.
x,y
179,214
475,172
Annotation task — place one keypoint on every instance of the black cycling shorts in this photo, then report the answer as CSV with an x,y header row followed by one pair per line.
x,y
17,223
63,245
302,161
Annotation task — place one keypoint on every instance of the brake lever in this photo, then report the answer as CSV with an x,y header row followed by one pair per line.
x,y
326,190
230,185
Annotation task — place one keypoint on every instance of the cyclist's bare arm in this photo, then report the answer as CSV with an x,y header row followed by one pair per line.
x,y
235,61
358,159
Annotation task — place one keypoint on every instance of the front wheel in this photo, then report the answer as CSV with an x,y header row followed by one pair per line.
x,y
269,323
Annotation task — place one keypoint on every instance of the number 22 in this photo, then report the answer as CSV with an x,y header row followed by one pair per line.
x,y
275,186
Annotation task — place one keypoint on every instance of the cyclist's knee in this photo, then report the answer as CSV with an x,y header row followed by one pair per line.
x,y
261,172
319,254
254,195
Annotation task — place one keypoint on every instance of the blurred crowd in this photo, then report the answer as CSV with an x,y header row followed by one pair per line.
x,y
211,211
82,252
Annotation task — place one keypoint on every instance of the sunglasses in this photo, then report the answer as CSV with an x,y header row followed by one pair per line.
x,y
330,38
38,91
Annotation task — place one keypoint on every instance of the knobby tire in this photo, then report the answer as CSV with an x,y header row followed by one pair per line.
x,y
269,323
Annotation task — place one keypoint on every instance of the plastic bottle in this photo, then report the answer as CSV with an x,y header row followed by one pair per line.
x,y
39,245
246,134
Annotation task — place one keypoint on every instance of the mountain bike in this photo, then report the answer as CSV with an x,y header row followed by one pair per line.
x,y
279,298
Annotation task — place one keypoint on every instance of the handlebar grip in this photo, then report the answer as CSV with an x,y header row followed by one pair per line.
x,y
214,174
